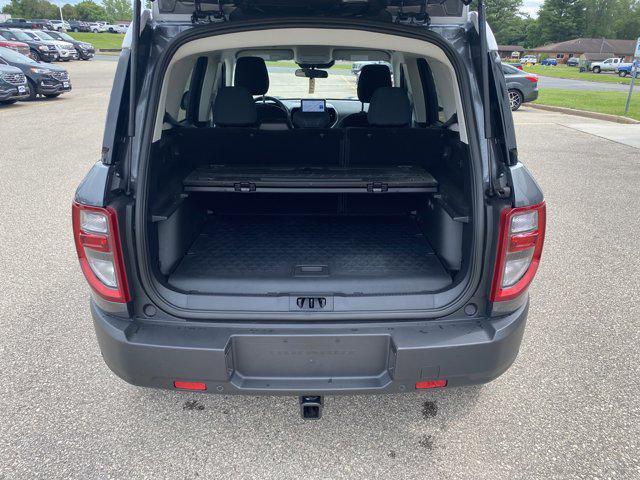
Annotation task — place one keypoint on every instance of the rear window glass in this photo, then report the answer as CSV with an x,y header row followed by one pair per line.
x,y
341,82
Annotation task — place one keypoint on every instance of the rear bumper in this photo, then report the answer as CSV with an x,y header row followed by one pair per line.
x,y
531,95
309,359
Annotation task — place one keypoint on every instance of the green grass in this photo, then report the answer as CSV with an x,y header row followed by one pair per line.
x,y
602,102
100,40
562,71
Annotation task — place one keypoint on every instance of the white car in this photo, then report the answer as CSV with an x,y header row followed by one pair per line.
x,y
66,50
116,28
59,25
529,59
98,27
608,65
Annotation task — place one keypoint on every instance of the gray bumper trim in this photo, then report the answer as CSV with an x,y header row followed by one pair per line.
x,y
309,359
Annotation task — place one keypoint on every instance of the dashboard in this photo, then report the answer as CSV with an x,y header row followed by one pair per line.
x,y
336,110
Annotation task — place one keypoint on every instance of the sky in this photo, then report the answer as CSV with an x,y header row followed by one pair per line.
x,y
528,6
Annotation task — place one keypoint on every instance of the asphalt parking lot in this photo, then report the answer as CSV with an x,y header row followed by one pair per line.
x,y
568,408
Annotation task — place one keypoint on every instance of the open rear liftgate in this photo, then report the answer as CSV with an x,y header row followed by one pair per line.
x,y
377,366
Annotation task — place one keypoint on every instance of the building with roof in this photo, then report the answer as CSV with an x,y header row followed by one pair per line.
x,y
597,47
507,51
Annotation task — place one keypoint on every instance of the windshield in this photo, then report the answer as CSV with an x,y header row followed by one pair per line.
x,y
64,36
22,36
42,35
340,83
11,56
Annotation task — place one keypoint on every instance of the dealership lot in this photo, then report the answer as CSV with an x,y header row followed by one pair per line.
x,y
567,408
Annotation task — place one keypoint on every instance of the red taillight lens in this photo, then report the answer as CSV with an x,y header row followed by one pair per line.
x,y
189,385
532,78
97,239
519,250
431,384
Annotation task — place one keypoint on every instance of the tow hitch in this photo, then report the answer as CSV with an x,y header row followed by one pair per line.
x,y
311,407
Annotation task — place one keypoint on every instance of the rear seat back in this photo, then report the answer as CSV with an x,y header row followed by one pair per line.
x,y
390,139
251,146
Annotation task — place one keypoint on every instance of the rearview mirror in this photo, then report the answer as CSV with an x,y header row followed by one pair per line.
x,y
311,73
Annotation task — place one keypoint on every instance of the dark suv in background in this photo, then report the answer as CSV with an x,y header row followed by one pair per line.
x,y
79,26
44,51
13,84
44,79
86,51
243,234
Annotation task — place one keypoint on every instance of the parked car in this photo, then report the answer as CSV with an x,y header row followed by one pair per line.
x,y
66,50
573,62
356,67
13,84
79,26
58,25
22,23
522,86
532,59
97,27
549,62
608,65
19,47
47,80
625,69
340,260
84,50
113,28
45,51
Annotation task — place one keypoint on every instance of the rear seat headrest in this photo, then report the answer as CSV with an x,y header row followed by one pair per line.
x,y
251,73
234,107
389,107
371,78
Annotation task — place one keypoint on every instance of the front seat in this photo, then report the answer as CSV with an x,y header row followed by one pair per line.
x,y
234,107
371,78
390,107
251,73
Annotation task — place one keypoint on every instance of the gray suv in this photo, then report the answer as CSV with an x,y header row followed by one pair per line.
x,y
262,222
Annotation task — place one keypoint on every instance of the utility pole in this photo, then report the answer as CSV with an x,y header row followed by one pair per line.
x,y
634,72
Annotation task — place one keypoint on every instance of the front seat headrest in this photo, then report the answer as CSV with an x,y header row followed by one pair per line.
x,y
371,78
389,107
251,73
234,107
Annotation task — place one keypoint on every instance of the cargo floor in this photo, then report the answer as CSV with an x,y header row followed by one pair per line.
x,y
310,254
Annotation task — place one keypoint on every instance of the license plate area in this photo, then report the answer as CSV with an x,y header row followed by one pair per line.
x,y
311,361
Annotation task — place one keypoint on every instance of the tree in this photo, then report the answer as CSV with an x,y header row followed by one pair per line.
x,y
31,9
561,20
90,11
118,9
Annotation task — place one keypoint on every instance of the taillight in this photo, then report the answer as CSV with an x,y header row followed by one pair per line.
x,y
519,250
97,240
532,78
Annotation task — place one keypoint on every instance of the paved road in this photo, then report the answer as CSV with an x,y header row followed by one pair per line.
x,y
568,408
569,84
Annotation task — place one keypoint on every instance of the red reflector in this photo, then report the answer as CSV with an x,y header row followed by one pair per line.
x,y
95,242
431,384
190,385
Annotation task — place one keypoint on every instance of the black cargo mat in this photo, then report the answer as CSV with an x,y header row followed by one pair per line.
x,y
303,254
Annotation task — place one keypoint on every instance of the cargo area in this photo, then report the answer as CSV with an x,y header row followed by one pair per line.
x,y
348,189
331,225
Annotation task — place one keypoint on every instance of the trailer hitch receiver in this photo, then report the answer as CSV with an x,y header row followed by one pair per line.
x,y
311,407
